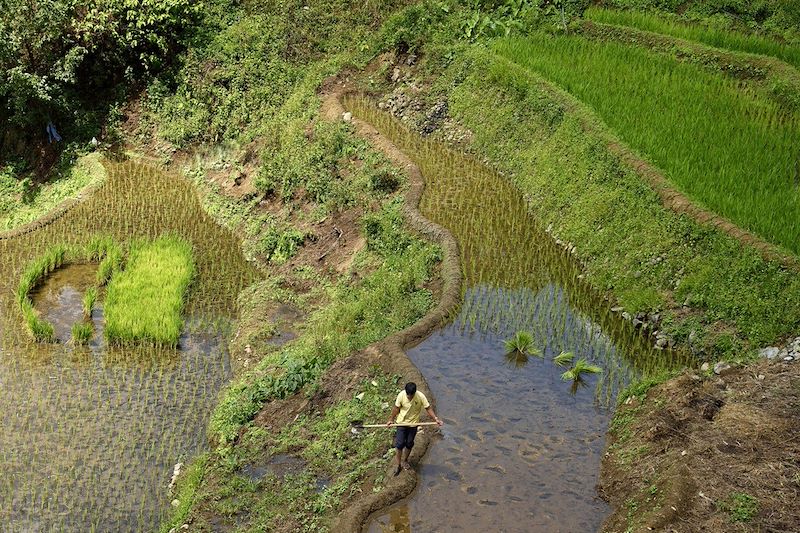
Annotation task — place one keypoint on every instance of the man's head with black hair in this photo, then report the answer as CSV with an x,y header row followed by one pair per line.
x,y
411,389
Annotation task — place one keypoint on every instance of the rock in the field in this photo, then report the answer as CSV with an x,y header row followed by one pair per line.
x,y
395,75
662,342
788,358
347,116
617,309
770,352
626,315
411,60
721,368
637,323
175,503
176,471
704,367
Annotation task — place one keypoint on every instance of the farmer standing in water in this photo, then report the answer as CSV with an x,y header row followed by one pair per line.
x,y
407,407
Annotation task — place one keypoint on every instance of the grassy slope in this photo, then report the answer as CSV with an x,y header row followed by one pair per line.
x,y
708,134
717,37
21,203
145,301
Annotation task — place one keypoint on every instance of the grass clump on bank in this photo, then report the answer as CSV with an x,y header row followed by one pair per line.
x,y
707,134
712,36
145,301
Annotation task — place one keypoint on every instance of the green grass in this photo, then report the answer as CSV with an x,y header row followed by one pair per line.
x,y
717,37
82,333
22,202
145,301
521,342
740,507
730,149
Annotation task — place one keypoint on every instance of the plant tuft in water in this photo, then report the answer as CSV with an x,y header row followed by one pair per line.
x,y
564,359
522,343
581,367
82,333
89,298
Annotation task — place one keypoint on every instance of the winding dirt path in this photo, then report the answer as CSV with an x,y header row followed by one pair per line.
x,y
390,353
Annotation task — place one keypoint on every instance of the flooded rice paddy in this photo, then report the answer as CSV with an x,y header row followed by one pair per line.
x,y
520,450
89,435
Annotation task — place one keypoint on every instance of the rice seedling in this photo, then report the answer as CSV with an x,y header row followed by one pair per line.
x,y
717,37
110,264
522,343
564,359
89,298
82,333
581,367
145,301
702,129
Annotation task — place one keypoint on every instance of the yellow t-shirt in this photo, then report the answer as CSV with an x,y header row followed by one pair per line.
x,y
410,409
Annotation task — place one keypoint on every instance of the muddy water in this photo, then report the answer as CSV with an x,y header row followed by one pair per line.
x,y
520,451
89,435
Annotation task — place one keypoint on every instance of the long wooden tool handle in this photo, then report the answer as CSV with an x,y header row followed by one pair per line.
x,y
413,424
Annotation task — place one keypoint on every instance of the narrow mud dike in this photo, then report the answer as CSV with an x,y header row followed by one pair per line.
x,y
390,352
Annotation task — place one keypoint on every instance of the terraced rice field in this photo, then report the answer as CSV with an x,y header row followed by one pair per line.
x,y
89,435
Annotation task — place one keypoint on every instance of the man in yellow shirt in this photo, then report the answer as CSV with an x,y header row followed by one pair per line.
x,y
407,408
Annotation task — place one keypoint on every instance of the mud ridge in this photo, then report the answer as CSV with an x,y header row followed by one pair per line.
x,y
390,352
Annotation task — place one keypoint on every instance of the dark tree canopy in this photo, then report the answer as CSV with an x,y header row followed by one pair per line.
x,y
59,58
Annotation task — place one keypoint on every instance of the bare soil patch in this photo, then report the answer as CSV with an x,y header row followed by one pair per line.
x,y
707,453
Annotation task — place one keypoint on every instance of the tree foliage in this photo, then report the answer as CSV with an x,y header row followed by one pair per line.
x,y
58,56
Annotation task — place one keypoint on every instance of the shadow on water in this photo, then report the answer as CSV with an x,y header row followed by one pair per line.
x,y
521,448
89,435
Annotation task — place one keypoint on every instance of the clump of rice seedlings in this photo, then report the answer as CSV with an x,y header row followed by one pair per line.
x,y
109,265
581,367
82,333
89,298
52,259
145,301
522,343
564,359
99,247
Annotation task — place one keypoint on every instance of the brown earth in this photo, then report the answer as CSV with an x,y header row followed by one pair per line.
x,y
691,454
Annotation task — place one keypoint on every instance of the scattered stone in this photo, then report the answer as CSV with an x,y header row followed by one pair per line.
x,y
411,60
248,350
788,358
761,376
721,367
704,367
395,75
661,342
347,116
626,315
771,352
617,309
175,503
185,526
637,323
176,471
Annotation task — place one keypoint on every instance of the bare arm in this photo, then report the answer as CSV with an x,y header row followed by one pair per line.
x,y
393,416
431,414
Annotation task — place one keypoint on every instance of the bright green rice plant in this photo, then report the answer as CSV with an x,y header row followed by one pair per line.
x,y
581,367
145,301
53,258
82,333
89,298
564,359
522,342
109,265
717,37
